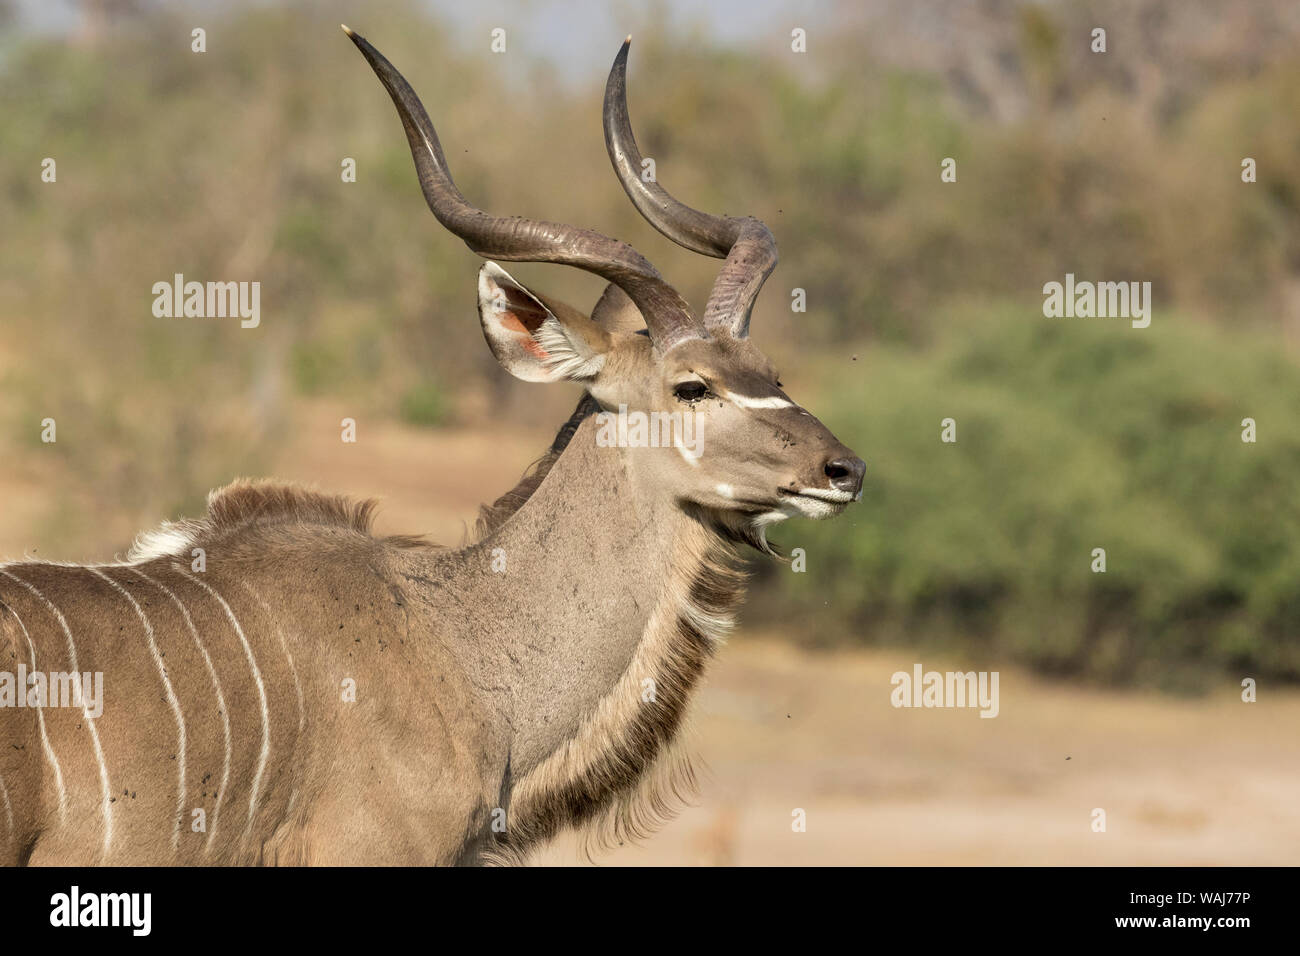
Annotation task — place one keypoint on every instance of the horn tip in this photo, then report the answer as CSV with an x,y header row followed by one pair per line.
x,y
348,30
621,57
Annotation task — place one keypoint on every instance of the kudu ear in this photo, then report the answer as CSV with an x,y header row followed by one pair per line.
x,y
533,341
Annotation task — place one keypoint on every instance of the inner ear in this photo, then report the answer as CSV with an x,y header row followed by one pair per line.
x,y
520,312
535,341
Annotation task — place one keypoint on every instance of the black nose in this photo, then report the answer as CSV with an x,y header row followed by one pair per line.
x,y
846,474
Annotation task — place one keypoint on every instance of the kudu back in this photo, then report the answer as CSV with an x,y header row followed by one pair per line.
x,y
273,683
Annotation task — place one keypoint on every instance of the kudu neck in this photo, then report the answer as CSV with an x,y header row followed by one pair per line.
x,y
595,560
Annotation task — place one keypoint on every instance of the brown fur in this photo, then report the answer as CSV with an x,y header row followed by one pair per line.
x,y
258,504
246,502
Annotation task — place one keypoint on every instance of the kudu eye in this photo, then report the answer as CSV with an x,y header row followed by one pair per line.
x,y
690,391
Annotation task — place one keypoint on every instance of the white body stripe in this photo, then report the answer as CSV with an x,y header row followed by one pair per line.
x,y
181,742
221,705
284,646
45,737
106,805
293,669
255,793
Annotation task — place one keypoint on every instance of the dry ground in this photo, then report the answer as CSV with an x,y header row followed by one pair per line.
x,y
1205,781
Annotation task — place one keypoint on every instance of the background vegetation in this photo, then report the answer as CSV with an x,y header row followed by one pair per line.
x,y
924,298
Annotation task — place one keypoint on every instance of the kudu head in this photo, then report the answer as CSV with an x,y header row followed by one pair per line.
x,y
760,457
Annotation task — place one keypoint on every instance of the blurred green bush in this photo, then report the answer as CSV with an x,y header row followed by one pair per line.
x,y
1072,434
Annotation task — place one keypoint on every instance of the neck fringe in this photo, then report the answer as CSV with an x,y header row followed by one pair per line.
x,y
623,773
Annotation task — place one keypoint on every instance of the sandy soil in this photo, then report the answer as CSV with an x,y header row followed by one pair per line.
x,y
1205,781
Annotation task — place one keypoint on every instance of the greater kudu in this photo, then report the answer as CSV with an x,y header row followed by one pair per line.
x,y
530,681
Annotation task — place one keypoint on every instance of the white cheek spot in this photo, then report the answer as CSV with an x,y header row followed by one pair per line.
x,y
692,457
770,401
726,491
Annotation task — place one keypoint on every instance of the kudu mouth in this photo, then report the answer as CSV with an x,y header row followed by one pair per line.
x,y
842,472
830,495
